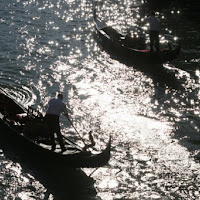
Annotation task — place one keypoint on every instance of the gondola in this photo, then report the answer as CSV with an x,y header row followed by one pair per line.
x,y
130,49
15,120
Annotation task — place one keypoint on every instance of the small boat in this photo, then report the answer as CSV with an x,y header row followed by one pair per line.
x,y
15,120
126,48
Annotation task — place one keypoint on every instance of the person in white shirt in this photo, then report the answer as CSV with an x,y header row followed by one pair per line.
x,y
154,29
55,108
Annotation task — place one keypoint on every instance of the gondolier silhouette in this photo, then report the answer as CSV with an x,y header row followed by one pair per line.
x,y
154,29
56,106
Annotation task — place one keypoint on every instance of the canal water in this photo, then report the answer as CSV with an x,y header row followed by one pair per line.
x,y
152,115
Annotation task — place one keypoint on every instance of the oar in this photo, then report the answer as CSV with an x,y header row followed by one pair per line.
x,y
76,131
77,146
90,136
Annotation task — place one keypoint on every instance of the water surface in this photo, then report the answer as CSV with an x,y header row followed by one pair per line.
x,y
153,116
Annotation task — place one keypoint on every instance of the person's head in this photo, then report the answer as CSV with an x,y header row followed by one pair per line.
x,y
60,96
152,13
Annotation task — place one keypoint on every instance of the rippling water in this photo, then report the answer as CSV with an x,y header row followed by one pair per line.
x,y
153,117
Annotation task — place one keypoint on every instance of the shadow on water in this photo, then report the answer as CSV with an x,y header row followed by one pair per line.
x,y
183,99
60,181
171,92
180,104
173,99
162,77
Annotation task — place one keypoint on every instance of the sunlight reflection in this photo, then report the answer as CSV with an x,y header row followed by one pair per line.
x,y
59,66
25,196
108,183
105,95
62,67
25,179
16,169
175,38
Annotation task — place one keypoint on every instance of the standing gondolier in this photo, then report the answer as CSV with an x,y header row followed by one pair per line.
x,y
154,29
55,108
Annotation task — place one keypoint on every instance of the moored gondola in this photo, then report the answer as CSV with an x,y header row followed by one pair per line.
x,y
130,49
14,119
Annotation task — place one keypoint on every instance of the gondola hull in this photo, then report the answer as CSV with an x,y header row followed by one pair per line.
x,y
72,157
113,43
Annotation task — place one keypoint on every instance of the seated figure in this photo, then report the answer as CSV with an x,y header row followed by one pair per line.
x,y
134,42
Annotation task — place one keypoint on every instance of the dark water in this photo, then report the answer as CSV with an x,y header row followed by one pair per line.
x,y
153,116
